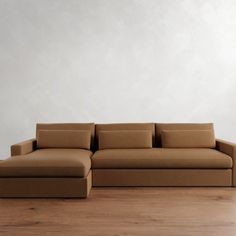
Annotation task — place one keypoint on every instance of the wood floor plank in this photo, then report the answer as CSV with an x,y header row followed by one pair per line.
x,y
125,211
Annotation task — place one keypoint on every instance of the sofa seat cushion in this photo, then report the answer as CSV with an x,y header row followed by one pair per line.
x,y
195,158
48,163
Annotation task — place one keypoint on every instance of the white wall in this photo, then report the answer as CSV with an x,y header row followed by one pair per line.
x,y
116,61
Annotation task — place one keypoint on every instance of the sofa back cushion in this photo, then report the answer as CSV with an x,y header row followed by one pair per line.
x,y
68,135
159,127
188,139
64,139
125,139
125,127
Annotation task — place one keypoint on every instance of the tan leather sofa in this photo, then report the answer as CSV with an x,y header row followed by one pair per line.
x,y
60,161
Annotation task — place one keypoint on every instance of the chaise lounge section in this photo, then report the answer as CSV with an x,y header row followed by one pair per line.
x,y
55,164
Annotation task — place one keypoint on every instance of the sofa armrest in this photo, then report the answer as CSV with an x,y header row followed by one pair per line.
x,y
228,148
24,147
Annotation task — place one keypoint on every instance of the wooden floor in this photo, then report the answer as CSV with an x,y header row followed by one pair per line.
x,y
125,211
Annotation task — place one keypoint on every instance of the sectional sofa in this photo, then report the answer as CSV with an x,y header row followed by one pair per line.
x,y
66,160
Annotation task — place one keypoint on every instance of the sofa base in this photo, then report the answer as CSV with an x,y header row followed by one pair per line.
x,y
162,177
46,187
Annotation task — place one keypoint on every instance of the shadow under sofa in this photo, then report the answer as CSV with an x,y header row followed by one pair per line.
x,y
66,160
